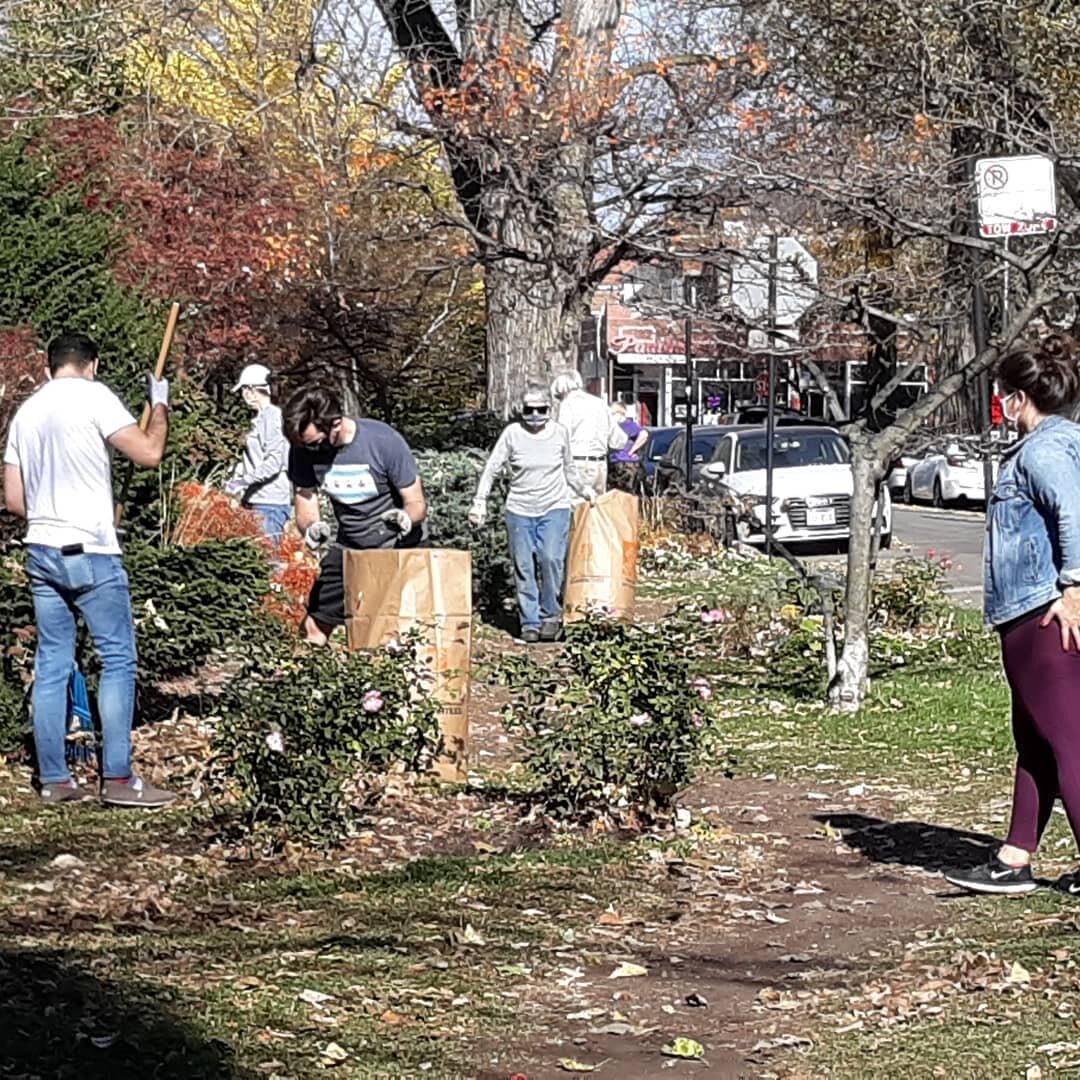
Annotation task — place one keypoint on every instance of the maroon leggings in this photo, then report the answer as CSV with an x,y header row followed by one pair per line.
x,y
1045,684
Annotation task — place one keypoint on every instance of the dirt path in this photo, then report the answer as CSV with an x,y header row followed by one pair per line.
x,y
785,906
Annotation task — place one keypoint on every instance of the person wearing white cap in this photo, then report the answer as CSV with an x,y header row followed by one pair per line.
x,y
259,480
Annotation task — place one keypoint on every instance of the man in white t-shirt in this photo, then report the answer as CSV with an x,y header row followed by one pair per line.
x,y
592,431
58,475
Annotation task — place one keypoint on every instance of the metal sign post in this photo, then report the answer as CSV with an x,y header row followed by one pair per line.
x,y
981,337
770,413
689,379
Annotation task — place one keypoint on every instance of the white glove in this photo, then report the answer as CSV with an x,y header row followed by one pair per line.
x,y
236,488
398,520
157,390
316,535
589,495
478,514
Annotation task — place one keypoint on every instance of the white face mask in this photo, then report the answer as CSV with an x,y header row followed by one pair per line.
x,y
1010,418
535,420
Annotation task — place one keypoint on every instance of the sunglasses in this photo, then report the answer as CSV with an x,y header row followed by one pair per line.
x,y
535,410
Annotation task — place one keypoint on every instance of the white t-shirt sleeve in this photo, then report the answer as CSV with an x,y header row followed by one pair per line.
x,y
11,451
110,413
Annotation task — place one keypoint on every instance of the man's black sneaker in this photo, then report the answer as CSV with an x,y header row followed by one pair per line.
x,y
993,877
550,629
530,635
1069,884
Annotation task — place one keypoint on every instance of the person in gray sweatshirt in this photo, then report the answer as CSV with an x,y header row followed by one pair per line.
x,y
536,452
259,480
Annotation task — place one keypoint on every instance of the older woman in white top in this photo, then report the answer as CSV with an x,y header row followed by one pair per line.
x,y
535,450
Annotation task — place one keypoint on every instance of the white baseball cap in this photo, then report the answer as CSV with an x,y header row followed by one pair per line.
x,y
253,375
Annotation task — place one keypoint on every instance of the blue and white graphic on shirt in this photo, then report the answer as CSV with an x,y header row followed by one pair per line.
x,y
347,483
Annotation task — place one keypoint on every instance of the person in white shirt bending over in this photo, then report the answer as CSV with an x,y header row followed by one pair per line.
x,y
58,475
535,450
592,431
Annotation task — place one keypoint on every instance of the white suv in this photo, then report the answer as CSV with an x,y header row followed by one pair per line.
x,y
812,484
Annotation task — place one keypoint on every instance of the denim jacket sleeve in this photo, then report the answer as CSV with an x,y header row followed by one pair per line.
x,y
1051,469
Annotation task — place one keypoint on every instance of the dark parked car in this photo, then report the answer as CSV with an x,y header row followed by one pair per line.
x,y
660,440
759,414
671,468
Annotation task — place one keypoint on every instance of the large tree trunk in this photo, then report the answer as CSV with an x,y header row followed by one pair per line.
x,y
848,689
536,299
533,328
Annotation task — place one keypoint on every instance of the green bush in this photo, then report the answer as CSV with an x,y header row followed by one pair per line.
x,y
912,595
464,431
450,479
189,602
16,649
612,726
306,736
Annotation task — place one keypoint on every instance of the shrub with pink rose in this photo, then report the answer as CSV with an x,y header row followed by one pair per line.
x,y
307,736
913,595
612,726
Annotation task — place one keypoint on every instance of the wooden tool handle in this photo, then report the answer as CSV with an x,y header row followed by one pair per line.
x,y
144,420
163,355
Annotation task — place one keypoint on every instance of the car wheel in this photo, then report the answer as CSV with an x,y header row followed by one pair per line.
x,y
909,495
939,497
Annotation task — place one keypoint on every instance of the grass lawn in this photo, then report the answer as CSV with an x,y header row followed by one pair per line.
x,y
247,969
159,950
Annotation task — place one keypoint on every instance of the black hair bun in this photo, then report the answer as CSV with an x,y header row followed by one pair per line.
x,y
1058,376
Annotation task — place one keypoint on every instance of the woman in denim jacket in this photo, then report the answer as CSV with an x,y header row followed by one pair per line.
x,y
1031,583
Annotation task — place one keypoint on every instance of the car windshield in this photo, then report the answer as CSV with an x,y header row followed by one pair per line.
x,y
704,444
791,451
659,442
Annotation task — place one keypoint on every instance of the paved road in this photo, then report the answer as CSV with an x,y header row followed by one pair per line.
x,y
957,534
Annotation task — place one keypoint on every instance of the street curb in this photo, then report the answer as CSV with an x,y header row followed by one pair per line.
x,y
948,511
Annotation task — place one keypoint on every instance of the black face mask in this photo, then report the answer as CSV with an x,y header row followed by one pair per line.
x,y
325,451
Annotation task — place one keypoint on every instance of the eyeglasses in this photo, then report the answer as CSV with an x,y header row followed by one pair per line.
x,y
535,410
324,435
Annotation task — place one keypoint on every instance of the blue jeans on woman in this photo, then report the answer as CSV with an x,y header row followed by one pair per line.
x,y
538,542
273,519
95,587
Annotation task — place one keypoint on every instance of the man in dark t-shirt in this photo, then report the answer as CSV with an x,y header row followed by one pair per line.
x,y
369,473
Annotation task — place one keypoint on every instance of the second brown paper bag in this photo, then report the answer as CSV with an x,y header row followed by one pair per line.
x,y
601,563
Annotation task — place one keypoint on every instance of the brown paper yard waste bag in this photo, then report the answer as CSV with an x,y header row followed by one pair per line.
x,y
388,593
601,563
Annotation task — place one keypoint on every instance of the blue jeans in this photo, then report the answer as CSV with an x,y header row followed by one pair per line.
x,y
273,519
95,587
538,542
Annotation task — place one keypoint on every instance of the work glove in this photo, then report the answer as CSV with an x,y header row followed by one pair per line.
x,y
157,390
589,496
478,514
398,520
235,488
316,535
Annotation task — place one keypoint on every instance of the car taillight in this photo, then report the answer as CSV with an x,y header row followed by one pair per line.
x,y
954,460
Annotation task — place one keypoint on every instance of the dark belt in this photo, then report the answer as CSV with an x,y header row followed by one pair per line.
x,y
590,459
